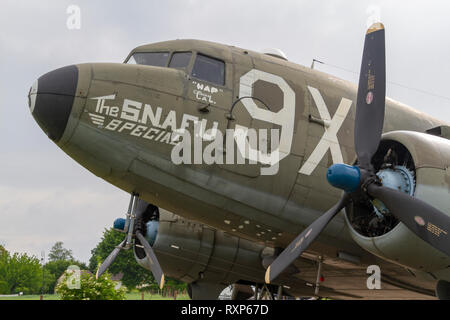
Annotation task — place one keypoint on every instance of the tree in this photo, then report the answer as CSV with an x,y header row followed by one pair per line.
x,y
60,259
19,273
58,252
133,274
4,288
90,288
54,270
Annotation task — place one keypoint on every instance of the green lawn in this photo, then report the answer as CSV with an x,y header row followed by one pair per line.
x,y
148,296
32,297
130,296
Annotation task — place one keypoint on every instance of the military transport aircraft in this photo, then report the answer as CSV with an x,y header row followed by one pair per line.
x,y
234,209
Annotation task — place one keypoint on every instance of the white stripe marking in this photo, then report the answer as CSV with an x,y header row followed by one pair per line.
x,y
329,139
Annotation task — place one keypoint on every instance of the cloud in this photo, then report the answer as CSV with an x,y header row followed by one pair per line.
x,y
46,197
37,218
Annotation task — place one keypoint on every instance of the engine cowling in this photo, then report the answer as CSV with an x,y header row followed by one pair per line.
x,y
418,164
193,252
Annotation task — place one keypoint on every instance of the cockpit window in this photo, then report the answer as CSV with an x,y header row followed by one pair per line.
x,y
158,59
180,60
209,69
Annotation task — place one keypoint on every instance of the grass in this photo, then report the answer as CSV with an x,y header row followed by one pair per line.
x,y
32,297
148,296
129,296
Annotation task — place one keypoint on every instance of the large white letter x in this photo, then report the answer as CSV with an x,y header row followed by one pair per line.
x,y
329,139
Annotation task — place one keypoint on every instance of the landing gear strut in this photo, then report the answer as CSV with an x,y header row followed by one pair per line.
x,y
136,211
266,293
129,222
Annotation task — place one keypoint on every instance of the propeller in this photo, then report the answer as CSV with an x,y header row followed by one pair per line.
x,y
370,101
156,268
140,209
110,259
296,247
427,222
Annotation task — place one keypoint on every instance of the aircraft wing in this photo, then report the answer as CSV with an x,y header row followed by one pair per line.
x,y
345,280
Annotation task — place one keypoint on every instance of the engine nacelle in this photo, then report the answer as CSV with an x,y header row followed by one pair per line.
x,y
419,164
192,252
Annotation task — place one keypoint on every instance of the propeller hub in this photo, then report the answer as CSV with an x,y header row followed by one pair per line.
x,y
119,224
345,177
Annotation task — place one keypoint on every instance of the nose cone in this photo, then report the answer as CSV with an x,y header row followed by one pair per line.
x,y
51,98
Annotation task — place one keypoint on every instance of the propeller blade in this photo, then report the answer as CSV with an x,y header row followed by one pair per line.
x,y
302,242
370,103
427,222
110,259
156,268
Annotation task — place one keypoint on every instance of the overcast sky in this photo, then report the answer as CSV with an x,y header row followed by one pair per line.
x,y
46,197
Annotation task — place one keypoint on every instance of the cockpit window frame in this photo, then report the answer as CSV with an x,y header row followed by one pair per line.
x,y
196,53
156,51
189,66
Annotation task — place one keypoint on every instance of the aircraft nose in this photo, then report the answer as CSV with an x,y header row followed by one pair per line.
x,y
51,98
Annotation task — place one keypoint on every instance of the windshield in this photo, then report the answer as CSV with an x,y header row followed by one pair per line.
x,y
158,59
209,69
180,60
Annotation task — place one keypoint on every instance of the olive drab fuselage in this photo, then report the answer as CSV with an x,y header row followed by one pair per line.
x,y
125,118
